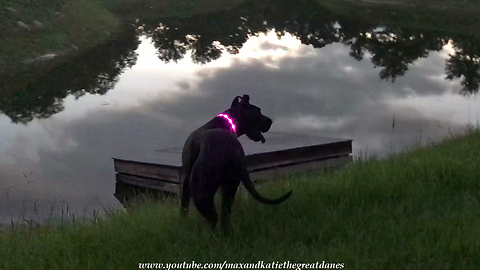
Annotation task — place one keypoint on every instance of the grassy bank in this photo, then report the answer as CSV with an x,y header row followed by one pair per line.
x,y
418,210
148,9
30,29
34,28
457,17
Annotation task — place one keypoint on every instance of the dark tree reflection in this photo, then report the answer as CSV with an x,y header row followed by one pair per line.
x,y
395,49
392,48
207,36
465,64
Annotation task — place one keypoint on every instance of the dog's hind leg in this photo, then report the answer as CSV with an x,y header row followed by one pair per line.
x,y
206,207
188,160
185,195
202,190
229,190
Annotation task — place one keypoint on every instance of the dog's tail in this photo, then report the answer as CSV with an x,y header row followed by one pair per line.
x,y
247,182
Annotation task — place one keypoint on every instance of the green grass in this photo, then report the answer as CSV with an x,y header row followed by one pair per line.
x,y
417,210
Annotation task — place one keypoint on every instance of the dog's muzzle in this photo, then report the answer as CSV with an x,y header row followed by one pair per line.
x,y
266,124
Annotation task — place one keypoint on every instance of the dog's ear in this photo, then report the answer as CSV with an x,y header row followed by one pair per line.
x,y
236,101
245,99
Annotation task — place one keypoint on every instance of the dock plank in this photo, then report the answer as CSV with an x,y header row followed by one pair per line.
x,y
302,167
282,154
159,171
175,188
275,142
148,183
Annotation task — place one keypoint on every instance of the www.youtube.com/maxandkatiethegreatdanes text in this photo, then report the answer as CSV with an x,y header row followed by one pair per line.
x,y
229,265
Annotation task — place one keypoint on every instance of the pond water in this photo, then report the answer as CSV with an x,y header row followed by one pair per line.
x,y
312,71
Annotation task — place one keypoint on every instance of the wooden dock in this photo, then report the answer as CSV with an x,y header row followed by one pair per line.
x,y
282,154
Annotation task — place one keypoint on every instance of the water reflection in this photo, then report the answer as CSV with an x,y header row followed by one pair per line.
x,y
392,48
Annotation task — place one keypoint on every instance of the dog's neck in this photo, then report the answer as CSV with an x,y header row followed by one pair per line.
x,y
225,120
230,120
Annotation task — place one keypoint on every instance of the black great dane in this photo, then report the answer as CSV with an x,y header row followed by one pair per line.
x,y
213,158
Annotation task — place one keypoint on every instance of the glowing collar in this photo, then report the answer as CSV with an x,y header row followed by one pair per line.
x,y
230,120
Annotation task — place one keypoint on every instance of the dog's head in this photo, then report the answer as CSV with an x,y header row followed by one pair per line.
x,y
249,119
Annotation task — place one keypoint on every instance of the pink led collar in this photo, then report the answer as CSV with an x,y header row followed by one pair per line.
x,y
230,120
